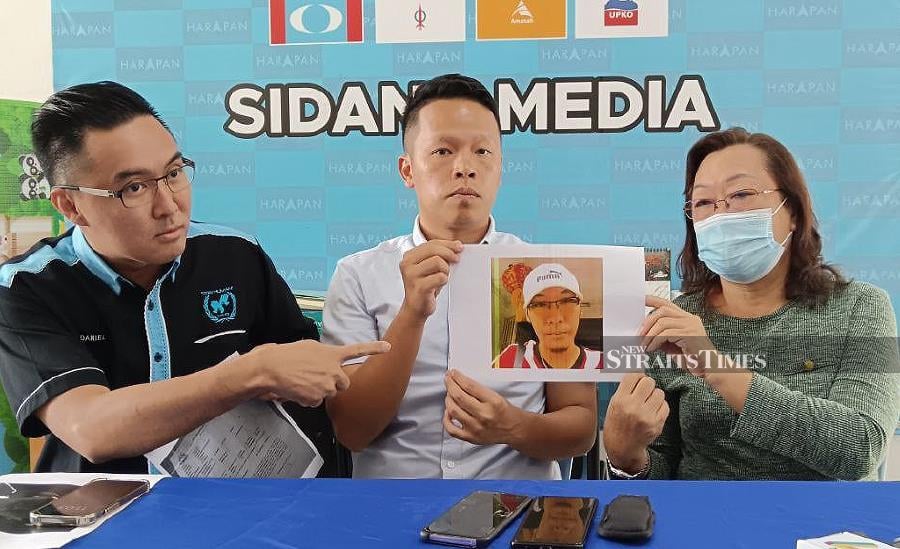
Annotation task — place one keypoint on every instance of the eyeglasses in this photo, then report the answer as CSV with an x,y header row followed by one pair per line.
x,y
738,201
138,193
565,305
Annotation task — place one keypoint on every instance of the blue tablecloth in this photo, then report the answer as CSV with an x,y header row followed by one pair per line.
x,y
282,514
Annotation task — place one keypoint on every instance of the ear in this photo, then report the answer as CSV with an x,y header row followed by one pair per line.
x,y
62,201
792,219
790,212
404,166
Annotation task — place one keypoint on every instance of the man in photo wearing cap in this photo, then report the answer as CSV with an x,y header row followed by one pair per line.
x,y
552,298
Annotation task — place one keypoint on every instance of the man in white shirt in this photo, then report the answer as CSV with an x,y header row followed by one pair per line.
x,y
404,414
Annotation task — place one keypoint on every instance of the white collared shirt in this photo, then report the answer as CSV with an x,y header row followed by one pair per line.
x,y
365,295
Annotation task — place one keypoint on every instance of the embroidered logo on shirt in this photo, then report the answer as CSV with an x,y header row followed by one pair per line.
x,y
92,337
220,305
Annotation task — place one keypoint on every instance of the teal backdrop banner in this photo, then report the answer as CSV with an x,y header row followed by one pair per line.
x,y
290,109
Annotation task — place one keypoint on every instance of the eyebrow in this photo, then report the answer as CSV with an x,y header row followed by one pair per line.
x,y
129,173
728,180
566,293
453,139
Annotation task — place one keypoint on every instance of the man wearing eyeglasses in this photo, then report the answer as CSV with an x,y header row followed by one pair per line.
x,y
114,335
552,299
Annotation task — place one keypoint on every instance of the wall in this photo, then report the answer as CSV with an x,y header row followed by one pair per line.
x,y
26,74
26,65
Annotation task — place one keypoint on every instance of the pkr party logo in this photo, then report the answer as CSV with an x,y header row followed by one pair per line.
x,y
620,13
315,21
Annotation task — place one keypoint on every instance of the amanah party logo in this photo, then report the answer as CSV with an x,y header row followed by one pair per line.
x,y
620,13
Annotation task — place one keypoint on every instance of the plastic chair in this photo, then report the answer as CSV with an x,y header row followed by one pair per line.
x,y
588,466
882,468
565,467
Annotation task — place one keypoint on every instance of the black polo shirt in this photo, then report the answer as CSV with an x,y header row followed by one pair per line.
x,y
67,319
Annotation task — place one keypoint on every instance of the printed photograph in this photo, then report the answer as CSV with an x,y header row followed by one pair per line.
x,y
658,264
547,313
658,272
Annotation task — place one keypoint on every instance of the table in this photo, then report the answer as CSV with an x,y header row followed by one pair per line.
x,y
262,513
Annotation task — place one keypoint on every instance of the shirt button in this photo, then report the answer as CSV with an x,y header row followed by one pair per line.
x,y
157,357
451,464
150,306
809,365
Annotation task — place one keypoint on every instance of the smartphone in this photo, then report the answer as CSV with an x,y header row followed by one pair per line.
x,y
556,523
85,504
475,520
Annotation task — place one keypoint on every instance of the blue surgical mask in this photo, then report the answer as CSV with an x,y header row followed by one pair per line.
x,y
740,246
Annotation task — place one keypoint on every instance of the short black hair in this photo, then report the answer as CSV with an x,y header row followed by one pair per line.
x,y
447,86
59,126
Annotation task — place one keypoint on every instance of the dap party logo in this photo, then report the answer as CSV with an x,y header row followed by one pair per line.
x,y
409,21
315,21
220,305
620,13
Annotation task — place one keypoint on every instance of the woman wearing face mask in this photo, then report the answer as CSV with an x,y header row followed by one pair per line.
x,y
782,369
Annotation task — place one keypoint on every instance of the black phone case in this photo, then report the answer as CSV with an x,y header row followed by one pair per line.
x,y
627,518
427,536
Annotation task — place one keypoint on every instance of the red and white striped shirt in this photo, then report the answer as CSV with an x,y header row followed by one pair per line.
x,y
528,356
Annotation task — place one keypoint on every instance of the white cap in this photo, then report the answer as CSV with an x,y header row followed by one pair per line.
x,y
549,275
